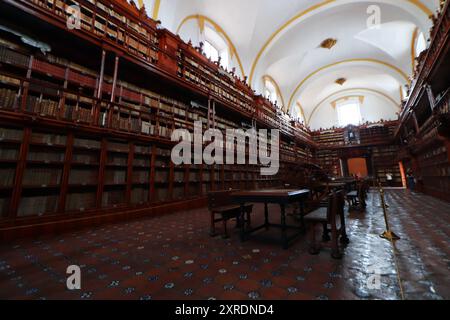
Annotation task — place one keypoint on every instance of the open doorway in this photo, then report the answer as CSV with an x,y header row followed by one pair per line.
x,y
358,167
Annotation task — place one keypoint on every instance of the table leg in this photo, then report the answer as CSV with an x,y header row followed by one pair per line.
x,y
266,215
243,222
302,215
344,238
283,227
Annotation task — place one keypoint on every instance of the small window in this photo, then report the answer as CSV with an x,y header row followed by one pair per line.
x,y
421,44
210,51
270,91
349,112
297,113
224,62
215,46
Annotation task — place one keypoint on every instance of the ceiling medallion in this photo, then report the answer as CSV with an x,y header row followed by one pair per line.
x,y
328,43
341,81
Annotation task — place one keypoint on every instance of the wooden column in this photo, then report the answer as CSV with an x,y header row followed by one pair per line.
x,y
130,173
171,179
209,114
66,173
186,180
26,85
113,93
101,172
21,166
447,145
200,180
116,70
62,100
151,195
99,92
431,98
102,75
416,123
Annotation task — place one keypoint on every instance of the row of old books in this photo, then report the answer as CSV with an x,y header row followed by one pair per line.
x,y
11,134
80,201
83,176
7,176
37,205
161,194
9,99
12,57
139,195
41,106
86,143
141,164
116,176
118,146
161,176
113,198
45,155
118,159
9,153
141,176
48,138
42,177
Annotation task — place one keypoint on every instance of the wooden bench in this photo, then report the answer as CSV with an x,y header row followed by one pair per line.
x,y
329,217
222,209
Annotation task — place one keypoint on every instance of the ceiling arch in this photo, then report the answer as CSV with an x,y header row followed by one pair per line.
x,y
371,61
303,14
201,19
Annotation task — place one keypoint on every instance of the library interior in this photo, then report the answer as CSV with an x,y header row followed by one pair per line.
x,y
167,150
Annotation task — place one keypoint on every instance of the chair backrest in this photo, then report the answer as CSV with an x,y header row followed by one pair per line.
x,y
217,199
362,189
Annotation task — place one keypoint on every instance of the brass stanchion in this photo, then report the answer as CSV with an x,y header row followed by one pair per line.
x,y
388,234
392,238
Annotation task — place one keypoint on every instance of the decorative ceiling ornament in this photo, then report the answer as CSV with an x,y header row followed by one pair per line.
x,y
328,43
341,81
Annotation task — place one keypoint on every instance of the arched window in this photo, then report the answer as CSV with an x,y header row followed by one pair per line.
x,y
215,46
272,91
349,110
298,114
421,44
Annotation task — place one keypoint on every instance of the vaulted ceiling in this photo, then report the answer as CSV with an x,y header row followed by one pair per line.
x,y
282,39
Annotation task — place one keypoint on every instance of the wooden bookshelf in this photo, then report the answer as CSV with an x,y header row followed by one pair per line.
x,y
423,132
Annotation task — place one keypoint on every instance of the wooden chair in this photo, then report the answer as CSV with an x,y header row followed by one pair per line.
x,y
222,209
329,217
357,199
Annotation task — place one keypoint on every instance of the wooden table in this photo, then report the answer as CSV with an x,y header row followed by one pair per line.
x,y
346,185
280,197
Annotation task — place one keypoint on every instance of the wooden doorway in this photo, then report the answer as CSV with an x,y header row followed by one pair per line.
x,y
358,167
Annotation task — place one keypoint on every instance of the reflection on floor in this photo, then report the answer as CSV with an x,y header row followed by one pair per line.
x,y
172,257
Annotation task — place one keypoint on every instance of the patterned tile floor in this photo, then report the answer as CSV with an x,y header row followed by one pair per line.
x,y
172,257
